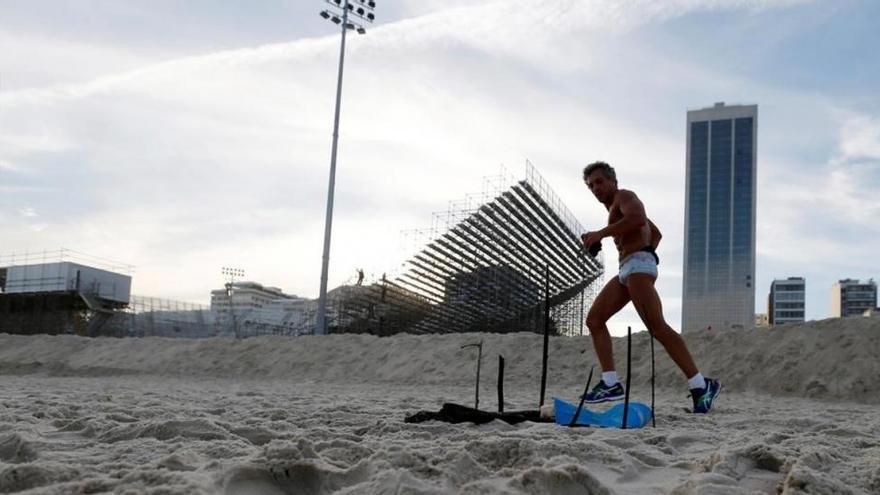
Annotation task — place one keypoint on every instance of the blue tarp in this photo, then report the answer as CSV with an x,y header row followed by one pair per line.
x,y
639,415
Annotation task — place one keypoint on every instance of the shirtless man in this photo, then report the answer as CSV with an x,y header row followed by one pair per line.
x,y
636,238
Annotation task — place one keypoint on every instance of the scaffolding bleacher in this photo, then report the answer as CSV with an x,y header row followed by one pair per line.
x,y
489,263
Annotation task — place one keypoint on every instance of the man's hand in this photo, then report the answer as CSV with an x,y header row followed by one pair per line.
x,y
591,238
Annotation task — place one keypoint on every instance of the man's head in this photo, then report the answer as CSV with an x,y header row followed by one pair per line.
x,y
601,180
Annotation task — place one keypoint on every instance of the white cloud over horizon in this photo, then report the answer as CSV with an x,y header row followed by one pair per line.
x,y
189,164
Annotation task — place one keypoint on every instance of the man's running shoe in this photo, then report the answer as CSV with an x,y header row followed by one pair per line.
x,y
705,397
604,393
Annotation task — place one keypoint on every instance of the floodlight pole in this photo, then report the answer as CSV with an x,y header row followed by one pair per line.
x,y
230,287
321,324
365,13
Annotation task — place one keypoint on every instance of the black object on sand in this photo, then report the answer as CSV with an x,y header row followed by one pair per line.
x,y
455,413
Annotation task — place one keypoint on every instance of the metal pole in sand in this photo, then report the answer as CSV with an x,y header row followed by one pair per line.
x,y
500,383
577,412
479,359
628,374
653,421
546,334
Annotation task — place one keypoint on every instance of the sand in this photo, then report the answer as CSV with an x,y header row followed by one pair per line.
x,y
799,414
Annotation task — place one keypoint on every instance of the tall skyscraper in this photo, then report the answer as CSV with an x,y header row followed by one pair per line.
x,y
719,236
787,301
852,297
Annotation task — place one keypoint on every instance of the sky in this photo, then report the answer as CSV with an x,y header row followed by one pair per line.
x,y
182,137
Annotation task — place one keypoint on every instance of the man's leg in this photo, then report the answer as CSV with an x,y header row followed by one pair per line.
x,y
612,299
647,303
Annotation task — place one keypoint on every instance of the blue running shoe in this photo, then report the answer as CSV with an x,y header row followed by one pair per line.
x,y
604,393
705,397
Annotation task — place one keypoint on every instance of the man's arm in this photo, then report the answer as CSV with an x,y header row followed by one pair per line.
x,y
655,235
633,215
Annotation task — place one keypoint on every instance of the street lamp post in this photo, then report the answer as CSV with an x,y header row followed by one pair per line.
x,y
339,13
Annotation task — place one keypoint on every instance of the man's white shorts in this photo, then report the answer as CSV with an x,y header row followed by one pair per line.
x,y
638,262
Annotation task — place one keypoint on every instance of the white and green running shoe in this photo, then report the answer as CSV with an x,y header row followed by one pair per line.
x,y
704,398
604,393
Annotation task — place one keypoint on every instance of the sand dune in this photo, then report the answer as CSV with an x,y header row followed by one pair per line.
x,y
831,359
325,415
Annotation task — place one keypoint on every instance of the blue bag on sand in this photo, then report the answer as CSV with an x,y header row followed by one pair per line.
x,y
639,415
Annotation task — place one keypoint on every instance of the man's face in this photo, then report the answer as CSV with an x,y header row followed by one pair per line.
x,y
602,187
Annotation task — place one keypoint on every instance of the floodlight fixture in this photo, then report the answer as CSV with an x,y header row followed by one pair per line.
x,y
325,14
336,20
232,272
348,9
361,30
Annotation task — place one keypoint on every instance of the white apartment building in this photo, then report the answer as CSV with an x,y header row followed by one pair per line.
x,y
787,301
852,297
252,308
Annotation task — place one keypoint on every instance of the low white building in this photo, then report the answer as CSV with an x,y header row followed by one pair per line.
x,y
244,296
66,276
253,309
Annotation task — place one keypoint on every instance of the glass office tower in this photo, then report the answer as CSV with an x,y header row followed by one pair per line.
x,y
719,237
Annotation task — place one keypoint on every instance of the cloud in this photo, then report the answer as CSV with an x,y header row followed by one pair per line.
x,y
860,137
8,166
855,175
33,60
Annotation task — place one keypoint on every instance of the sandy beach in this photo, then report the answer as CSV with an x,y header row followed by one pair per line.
x,y
320,415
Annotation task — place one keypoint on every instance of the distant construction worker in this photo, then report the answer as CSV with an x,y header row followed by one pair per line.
x,y
360,273
636,238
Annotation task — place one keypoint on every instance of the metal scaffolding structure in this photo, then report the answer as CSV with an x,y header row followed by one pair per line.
x,y
62,255
491,262
156,317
